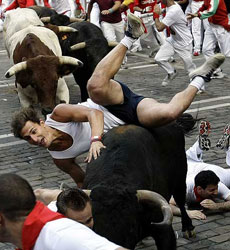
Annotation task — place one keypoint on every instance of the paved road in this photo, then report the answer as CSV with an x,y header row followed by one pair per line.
x,y
144,78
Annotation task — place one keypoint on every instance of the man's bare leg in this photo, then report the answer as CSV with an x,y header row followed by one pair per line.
x,y
101,88
151,113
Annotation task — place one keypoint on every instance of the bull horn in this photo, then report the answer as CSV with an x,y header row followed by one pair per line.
x,y
157,200
112,43
66,29
45,19
15,69
87,191
70,60
74,19
78,46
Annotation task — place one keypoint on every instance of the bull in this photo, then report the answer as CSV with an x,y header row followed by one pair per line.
x,y
39,64
88,45
139,159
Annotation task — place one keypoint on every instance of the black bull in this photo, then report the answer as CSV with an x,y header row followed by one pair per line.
x,y
96,47
137,159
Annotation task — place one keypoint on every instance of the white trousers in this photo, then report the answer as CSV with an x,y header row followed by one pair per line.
x,y
113,31
167,51
197,29
213,34
95,15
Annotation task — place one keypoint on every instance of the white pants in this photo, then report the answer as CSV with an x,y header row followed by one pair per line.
x,y
153,38
197,29
213,34
113,31
167,51
95,15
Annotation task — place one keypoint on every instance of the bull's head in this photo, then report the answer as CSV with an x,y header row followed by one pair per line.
x,y
42,73
125,216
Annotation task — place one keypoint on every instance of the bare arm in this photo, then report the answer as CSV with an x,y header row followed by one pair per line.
x,y
193,214
218,207
115,7
90,6
78,113
159,25
71,168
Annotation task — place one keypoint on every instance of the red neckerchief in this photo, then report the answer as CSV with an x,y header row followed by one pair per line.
x,y
198,197
34,223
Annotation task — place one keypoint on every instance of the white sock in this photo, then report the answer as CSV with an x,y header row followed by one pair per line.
x,y
197,82
128,41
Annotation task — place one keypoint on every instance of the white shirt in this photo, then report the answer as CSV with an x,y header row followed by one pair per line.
x,y
177,22
66,234
61,6
196,165
81,131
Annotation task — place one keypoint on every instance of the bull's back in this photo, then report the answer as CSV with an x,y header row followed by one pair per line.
x,y
145,159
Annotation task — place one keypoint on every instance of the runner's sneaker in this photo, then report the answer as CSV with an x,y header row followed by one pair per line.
x,y
169,78
204,131
135,27
205,71
223,142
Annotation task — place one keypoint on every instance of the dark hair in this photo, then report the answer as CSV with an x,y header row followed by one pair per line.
x,y
73,198
17,198
20,118
205,178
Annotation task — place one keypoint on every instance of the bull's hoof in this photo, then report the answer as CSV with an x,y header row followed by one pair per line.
x,y
189,234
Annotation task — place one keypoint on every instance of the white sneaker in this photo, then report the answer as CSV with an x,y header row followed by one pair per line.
x,y
169,78
135,27
218,74
206,70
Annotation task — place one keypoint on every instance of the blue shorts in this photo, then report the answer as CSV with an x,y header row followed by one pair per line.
x,y
127,111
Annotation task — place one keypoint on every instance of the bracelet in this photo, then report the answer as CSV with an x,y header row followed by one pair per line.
x,y
111,10
95,138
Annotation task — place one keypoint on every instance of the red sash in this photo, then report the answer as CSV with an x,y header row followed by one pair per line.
x,y
34,223
198,198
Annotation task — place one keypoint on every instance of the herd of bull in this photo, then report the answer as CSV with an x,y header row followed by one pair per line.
x,y
134,178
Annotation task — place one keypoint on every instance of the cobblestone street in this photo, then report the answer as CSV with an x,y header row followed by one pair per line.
x,y
143,77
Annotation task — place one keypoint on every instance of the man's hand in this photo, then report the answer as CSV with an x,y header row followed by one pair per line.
x,y
196,214
157,9
191,16
94,150
209,204
105,12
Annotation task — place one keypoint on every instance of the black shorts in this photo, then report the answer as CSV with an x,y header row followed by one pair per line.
x,y
127,111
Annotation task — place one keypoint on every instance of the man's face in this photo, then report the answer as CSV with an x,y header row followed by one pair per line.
x,y
84,217
36,134
209,192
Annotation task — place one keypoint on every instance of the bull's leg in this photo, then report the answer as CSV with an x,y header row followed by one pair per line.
x,y
164,237
62,95
81,80
180,198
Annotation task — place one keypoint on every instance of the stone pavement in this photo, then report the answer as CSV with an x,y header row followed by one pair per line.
x,y
143,77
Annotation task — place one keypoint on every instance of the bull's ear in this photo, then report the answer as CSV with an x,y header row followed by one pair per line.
x,y
66,69
52,27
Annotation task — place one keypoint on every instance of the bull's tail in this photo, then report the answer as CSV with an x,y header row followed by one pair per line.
x,y
187,123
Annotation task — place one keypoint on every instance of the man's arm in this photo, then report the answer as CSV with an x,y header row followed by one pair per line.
x,y
204,12
70,167
193,214
159,25
217,206
90,6
115,7
79,113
